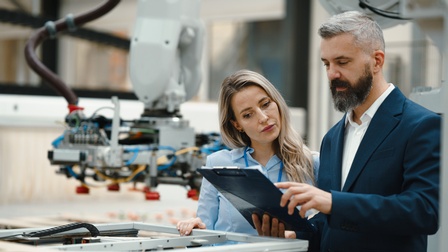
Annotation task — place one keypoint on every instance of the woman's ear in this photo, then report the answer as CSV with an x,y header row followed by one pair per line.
x,y
236,125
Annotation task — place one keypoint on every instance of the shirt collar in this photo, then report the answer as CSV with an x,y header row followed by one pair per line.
x,y
238,153
370,112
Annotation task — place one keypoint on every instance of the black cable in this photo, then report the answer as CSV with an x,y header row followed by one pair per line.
x,y
49,31
96,36
384,13
72,226
59,229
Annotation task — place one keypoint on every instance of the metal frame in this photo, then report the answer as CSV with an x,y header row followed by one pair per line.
x,y
165,237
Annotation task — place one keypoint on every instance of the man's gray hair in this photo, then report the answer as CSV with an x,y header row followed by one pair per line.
x,y
367,33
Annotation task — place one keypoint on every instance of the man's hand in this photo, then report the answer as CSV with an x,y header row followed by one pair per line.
x,y
184,227
306,196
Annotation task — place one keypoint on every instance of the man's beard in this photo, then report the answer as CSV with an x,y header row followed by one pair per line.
x,y
353,95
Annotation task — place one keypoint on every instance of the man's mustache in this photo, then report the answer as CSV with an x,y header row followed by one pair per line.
x,y
338,84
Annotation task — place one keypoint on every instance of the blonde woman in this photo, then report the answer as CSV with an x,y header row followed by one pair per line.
x,y
255,123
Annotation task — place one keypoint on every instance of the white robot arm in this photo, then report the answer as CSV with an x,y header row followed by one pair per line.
x,y
165,53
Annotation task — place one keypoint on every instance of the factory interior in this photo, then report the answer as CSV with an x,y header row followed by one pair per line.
x,y
43,185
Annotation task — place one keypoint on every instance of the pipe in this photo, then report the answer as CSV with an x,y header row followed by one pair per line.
x,y
50,30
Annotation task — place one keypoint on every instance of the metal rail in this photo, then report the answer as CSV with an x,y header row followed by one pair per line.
x,y
160,238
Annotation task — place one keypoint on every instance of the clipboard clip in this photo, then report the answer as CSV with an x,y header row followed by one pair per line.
x,y
230,171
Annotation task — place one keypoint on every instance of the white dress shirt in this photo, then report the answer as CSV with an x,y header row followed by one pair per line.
x,y
355,132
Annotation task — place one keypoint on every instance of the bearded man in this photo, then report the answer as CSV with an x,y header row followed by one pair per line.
x,y
378,182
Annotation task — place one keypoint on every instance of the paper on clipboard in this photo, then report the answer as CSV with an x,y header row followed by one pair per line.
x,y
250,191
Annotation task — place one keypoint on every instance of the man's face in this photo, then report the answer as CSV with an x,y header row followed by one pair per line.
x,y
348,71
348,95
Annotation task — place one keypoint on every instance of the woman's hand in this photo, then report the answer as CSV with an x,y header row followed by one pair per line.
x,y
186,226
273,228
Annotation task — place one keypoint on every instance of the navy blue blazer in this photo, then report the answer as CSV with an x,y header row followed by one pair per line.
x,y
389,201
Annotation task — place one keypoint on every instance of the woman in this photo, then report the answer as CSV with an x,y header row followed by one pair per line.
x,y
255,124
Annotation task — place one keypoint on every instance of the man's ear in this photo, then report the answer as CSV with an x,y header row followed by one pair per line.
x,y
236,125
379,60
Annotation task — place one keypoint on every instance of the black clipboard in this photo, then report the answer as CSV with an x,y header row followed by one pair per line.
x,y
250,191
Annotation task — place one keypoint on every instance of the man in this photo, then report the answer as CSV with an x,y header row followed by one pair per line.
x,y
378,182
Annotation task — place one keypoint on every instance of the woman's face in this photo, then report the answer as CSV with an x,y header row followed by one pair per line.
x,y
257,115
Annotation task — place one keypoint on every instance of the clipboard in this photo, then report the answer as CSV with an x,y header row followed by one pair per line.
x,y
250,191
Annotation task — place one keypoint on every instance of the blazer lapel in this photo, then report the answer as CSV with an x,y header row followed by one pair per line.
x,y
338,143
383,122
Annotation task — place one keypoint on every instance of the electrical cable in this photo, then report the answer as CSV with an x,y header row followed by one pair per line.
x,y
166,166
94,232
77,176
122,180
160,160
174,158
389,14
98,109
71,172
185,150
60,25
57,141
27,20
132,159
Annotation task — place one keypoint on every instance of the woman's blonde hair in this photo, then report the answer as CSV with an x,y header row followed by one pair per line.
x,y
289,146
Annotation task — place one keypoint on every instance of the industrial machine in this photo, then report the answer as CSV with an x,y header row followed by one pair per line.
x,y
158,147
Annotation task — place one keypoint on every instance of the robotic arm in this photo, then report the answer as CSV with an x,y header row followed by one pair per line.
x,y
165,53
160,146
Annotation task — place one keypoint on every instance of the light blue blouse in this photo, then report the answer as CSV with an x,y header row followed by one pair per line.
x,y
215,210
